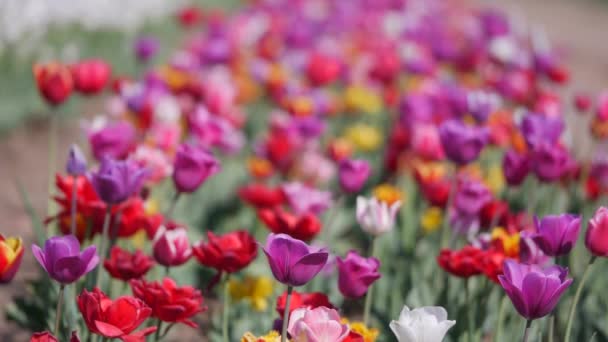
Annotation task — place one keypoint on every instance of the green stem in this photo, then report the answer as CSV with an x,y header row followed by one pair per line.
x,y
171,208
577,297
551,327
73,209
286,314
58,311
501,318
445,224
467,295
102,246
159,326
53,127
367,309
226,311
527,331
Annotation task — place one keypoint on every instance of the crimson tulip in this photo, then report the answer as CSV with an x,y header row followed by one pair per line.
x,y
279,221
126,266
302,300
463,263
90,76
229,253
54,82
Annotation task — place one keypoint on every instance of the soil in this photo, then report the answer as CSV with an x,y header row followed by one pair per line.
x,y
577,26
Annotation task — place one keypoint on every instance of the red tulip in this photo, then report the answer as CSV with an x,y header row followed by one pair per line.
x,y
114,318
11,253
229,253
491,264
190,16
48,337
169,302
354,337
303,227
386,66
322,70
302,300
90,76
126,266
463,263
54,82
493,213
171,247
262,196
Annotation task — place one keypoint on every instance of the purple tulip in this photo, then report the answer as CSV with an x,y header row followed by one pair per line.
x,y
515,167
292,261
193,165
549,161
353,174
470,197
117,180
529,252
115,140
77,163
62,260
557,234
538,128
146,48
462,143
533,290
356,274
494,23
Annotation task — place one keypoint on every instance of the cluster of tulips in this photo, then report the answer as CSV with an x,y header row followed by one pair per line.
x,y
383,154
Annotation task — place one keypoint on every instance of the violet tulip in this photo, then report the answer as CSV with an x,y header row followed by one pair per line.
x,y
538,129
77,163
171,247
145,48
116,181
462,143
115,140
62,259
516,167
549,161
353,173
557,234
356,274
193,165
533,290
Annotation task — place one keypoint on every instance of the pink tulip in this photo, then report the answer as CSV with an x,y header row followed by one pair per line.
x,y
596,239
171,247
316,325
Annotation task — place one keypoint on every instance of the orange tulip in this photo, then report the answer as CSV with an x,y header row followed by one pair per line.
x,y
11,252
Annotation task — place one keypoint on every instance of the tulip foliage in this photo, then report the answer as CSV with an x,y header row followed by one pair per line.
x,y
324,171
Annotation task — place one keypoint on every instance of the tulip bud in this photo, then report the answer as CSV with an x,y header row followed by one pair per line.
x,y
115,181
596,238
54,82
77,163
515,167
193,165
353,174
171,247
356,274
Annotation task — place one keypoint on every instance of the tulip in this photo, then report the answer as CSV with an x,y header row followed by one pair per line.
x,y
114,318
261,196
557,234
539,129
353,174
11,253
529,252
376,217
356,274
302,300
90,76
549,162
471,197
193,165
515,167
46,336
145,48
77,163
533,290
317,325
596,238
463,263
190,16
62,260
304,199
169,302
171,247
425,324
115,140
279,221
322,70
229,253
126,266
54,82
462,144
115,181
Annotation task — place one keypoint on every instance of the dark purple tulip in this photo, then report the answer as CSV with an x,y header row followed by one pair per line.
x,y
529,252
534,291
557,234
115,140
537,129
515,167
549,162
62,260
470,197
353,173
193,165
77,163
356,274
117,180
146,48
462,143
292,261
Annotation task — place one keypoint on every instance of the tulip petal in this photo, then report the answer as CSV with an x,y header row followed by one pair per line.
x,y
39,255
108,330
307,268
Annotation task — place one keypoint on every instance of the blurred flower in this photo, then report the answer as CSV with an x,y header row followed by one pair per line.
x,y
169,302
515,167
292,261
321,69
304,199
582,102
471,197
362,99
363,137
340,149
126,266
114,318
596,238
462,143
534,291
193,165
48,337
376,217
171,247
90,76
261,196
302,300
155,161
77,163
303,227
272,336
529,252
259,167
425,324
62,260
256,290
115,140
54,82
556,235
145,48
316,325
353,173
539,129
494,179
549,162
431,219
388,194
462,263
507,242
229,253
368,334
356,274
190,16
116,181
426,142
11,253
493,213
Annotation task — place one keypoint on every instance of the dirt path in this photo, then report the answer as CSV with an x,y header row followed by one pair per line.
x,y
579,26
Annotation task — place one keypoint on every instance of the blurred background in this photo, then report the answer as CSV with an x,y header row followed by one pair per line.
x,y
67,30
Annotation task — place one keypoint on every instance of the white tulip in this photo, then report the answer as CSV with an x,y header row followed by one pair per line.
x,y
425,324
376,217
